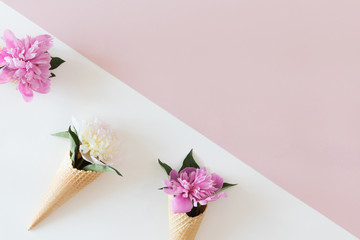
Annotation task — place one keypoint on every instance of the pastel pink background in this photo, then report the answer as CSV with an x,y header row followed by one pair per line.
x,y
274,82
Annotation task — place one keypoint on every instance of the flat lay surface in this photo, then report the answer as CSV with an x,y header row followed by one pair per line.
x,y
128,207
275,83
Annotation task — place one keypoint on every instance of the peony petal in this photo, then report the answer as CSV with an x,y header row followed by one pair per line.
x,y
43,58
213,198
169,191
218,181
10,39
45,42
167,183
3,54
97,161
87,157
186,172
26,92
203,170
4,76
173,175
44,87
188,169
180,205
19,73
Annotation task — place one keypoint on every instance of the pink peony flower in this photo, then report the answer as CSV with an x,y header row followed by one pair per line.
x,y
192,186
26,62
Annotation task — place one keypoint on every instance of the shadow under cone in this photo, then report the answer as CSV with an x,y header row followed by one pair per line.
x,y
67,182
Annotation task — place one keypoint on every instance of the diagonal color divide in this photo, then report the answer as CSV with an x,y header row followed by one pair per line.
x,y
131,207
274,82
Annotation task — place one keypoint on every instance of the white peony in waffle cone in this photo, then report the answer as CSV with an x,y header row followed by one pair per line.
x,y
183,227
67,182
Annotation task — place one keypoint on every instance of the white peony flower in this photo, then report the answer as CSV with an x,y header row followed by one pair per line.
x,y
97,141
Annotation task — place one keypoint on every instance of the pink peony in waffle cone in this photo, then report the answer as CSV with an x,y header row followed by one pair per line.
x,y
190,189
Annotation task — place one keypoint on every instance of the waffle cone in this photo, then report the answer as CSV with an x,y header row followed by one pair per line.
x,y
67,182
183,227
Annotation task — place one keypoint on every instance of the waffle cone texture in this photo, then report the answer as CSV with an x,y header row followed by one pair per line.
x,y
183,227
67,182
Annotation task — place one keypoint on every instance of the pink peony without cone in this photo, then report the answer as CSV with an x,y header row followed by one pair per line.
x,y
26,62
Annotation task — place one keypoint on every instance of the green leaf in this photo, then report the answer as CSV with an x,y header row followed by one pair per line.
x,y
74,145
55,62
61,134
74,137
166,167
226,185
75,131
162,188
101,168
189,161
52,75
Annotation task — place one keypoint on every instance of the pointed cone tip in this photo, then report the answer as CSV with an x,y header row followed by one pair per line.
x,y
32,225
